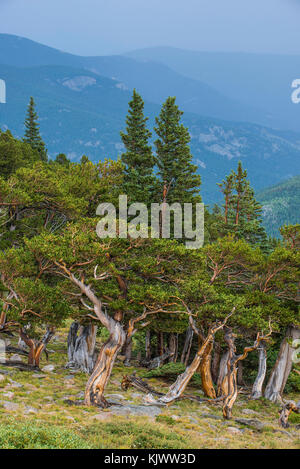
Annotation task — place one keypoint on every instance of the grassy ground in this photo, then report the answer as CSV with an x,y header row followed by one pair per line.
x,y
41,419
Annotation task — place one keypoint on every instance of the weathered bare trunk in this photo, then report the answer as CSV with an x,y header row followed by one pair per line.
x,y
36,347
172,348
257,388
232,391
81,347
282,368
159,361
148,345
205,371
222,385
216,362
177,389
128,351
187,346
232,368
94,393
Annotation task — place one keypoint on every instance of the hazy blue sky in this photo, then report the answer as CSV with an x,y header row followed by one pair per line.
x,y
95,27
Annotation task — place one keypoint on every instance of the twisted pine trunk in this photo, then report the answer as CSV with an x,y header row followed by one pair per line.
x,y
222,385
283,367
94,392
205,371
81,347
177,389
261,374
36,347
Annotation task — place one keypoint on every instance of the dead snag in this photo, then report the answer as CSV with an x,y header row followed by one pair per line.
x,y
222,386
139,384
232,368
261,374
81,347
285,412
157,362
36,347
177,389
282,367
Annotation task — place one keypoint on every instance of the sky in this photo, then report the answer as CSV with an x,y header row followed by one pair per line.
x,y
100,27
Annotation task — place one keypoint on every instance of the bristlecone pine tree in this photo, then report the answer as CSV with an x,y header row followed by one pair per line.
x,y
178,181
138,158
32,131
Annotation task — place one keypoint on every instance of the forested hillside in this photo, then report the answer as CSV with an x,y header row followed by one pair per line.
x,y
82,105
280,205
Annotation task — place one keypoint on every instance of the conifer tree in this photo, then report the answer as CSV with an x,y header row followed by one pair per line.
x,y
138,158
242,212
32,131
178,179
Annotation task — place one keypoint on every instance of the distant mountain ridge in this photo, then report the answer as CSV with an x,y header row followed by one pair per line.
x,y
155,81
82,112
262,81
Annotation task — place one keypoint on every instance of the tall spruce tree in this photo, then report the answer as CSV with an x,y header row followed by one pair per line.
x,y
178,180
138,158
32,131
242,212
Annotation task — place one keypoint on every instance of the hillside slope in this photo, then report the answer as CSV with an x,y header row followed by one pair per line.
x,y
281,205
82,113
155,81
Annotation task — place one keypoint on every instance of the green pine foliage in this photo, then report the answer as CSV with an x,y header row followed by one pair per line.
x,y
32,131
138,158
178,178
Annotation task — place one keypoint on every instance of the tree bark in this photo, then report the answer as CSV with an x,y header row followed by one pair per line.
x,y
177,389
81,347
222,385
282,368
240,379
36,347
216,363
257,389
187,346
128,351
232,368
94,393
205,371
